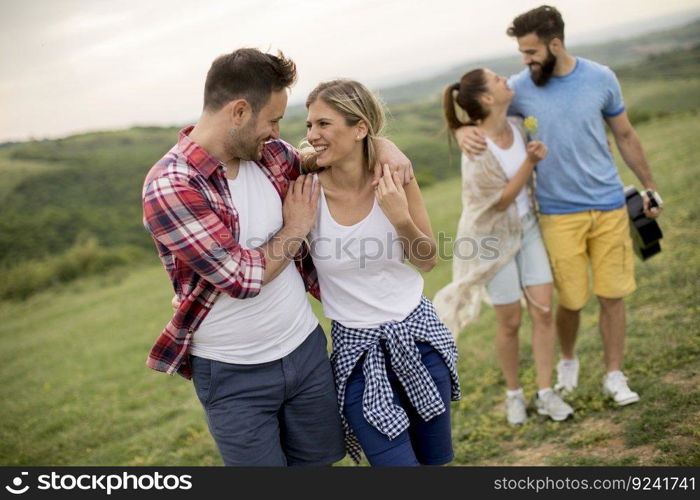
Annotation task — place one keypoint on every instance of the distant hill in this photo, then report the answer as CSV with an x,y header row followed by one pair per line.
x,y
76,196
617,53
682,63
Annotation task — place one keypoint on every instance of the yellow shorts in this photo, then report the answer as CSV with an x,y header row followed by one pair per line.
x,y
600,238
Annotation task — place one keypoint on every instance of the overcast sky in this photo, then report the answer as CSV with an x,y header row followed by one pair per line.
x,y
70,66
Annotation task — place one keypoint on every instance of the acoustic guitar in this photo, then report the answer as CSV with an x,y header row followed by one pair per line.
x,y
645,232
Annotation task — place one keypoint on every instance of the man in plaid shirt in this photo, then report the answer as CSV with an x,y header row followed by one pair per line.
x,y
228,211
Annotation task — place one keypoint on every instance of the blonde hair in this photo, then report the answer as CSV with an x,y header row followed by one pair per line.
x,y
354,102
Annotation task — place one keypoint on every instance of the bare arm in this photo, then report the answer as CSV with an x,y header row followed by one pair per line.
x,y
631,150
471,140
279,251
404,207
299,213
536,151
389,154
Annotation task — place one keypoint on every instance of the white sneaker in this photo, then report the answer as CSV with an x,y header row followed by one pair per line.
x,y
567,375
615,385
516,409
552,405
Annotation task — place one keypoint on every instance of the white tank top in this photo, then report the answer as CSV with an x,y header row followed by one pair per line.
x,y
511,160
272,324
363,277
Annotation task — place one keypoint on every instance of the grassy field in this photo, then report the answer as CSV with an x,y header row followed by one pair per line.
x,y
75,390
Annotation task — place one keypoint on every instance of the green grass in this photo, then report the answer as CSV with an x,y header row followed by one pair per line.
x,y
84,258
75,389
662,96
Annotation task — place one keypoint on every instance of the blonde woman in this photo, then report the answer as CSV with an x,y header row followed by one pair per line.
x,y
497,204
394,361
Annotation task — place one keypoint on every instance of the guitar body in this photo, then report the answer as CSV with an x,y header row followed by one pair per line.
x,y
645,232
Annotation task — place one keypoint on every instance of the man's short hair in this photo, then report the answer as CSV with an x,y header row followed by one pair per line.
x,y
545,21
247,74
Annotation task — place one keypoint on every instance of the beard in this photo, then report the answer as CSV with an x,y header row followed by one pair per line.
x,y
244,143
541,73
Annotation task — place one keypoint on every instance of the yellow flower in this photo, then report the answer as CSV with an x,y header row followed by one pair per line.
x,y
531,126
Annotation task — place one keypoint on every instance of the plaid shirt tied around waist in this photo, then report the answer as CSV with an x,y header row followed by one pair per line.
x,y
349,344
188,210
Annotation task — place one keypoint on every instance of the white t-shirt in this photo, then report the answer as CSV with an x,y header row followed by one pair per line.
x,y
275,322
361,270
511,160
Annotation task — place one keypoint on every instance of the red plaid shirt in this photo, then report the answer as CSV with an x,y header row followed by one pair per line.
x,y
188,210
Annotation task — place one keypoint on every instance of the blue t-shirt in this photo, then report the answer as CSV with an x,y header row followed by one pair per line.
x,y
578,173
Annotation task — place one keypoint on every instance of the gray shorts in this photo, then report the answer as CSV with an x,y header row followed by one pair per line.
x,y
280,413
529,267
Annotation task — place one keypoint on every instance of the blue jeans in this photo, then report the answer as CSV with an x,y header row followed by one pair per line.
x,y
426,443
